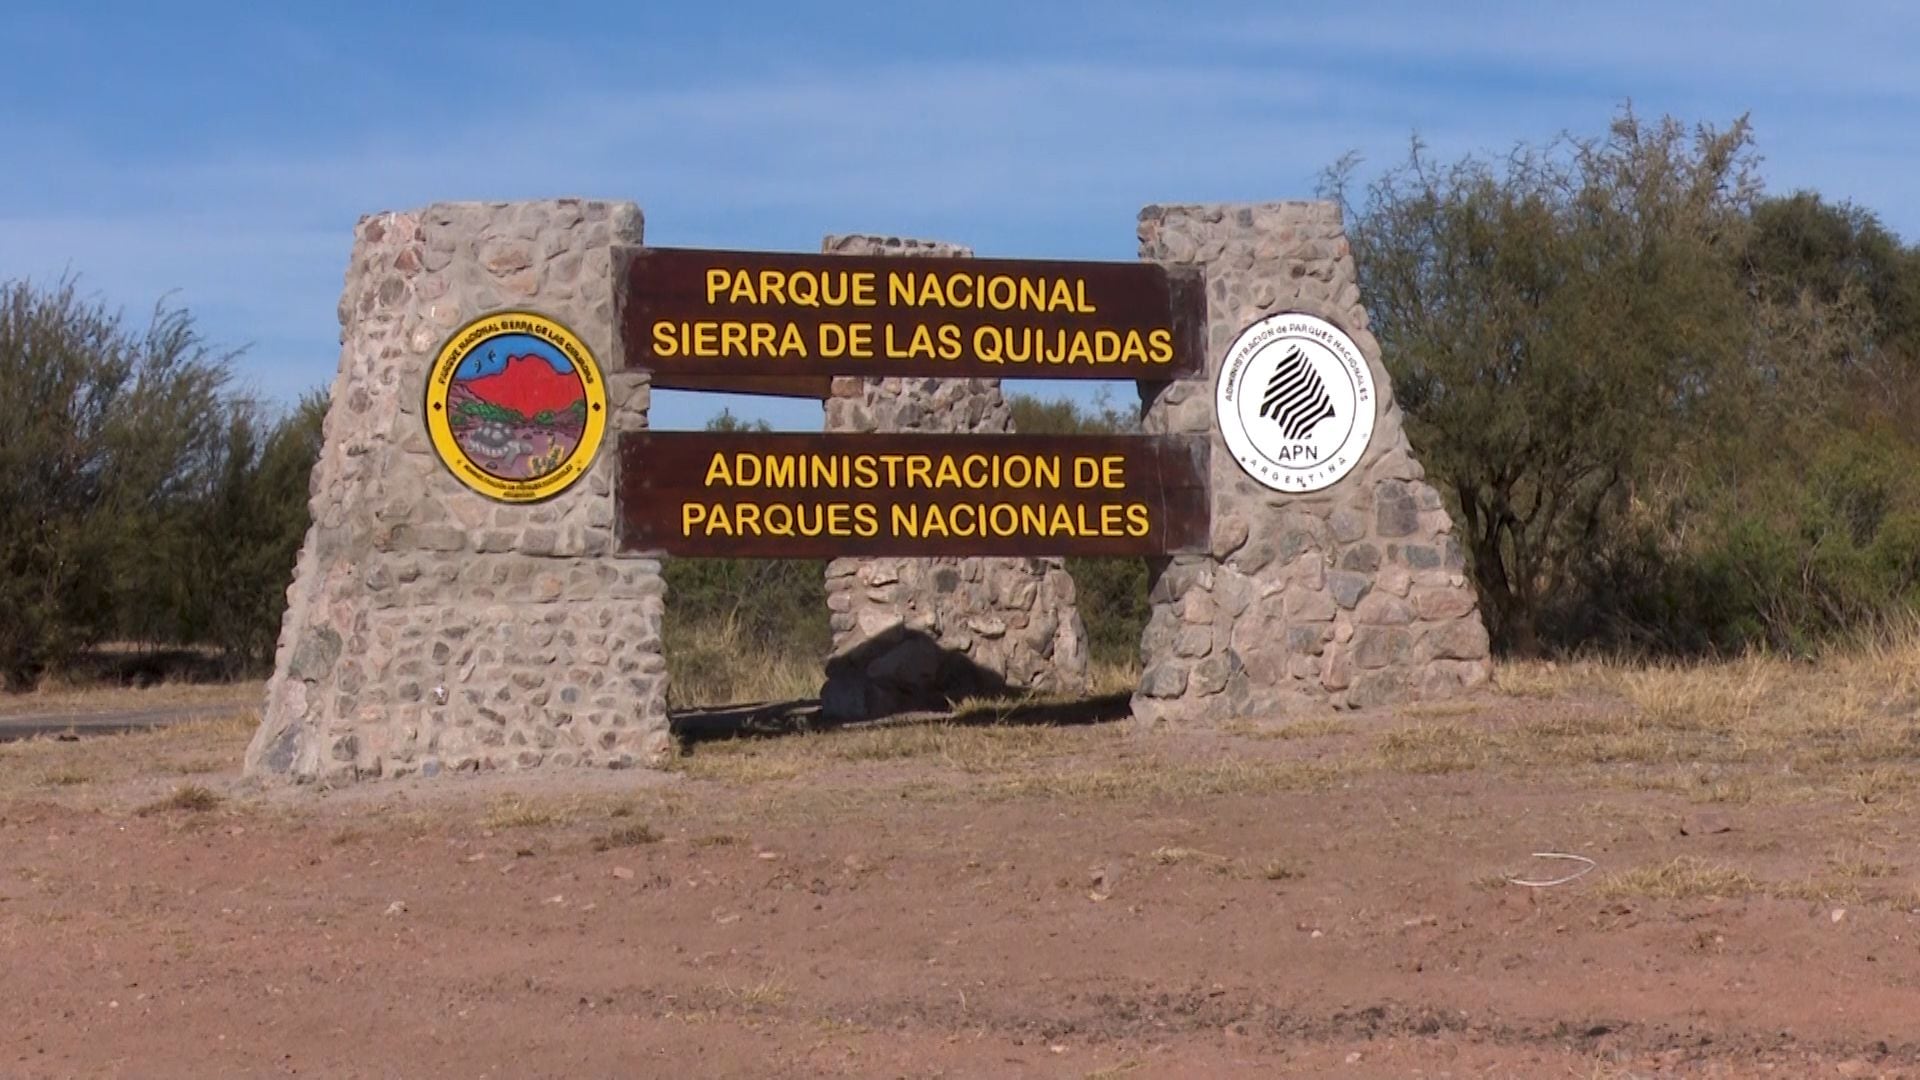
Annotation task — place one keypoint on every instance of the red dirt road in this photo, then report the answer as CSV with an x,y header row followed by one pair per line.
x,y
892,912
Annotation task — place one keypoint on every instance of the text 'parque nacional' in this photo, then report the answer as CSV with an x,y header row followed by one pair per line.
x,y
820,496
718,313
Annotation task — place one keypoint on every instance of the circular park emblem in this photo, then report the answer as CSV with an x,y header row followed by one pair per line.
x,y
1295,402
516,406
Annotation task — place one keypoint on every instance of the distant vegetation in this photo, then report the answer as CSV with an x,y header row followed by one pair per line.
x,y
141,498
1670,414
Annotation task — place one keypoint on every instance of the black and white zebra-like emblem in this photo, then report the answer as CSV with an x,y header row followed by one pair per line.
x,y
1295,402
1296,397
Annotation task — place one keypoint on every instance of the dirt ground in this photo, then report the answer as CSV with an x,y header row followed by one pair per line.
x,y
1333,897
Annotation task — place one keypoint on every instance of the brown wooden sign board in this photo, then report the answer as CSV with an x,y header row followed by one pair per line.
x,y
801,496
817,387
728,314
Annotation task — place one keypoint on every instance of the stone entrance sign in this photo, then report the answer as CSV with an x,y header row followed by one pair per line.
x,y
1351,595
430,627
479,589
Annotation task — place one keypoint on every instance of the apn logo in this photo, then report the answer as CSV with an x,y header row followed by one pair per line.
x,y
1296,397
1295,402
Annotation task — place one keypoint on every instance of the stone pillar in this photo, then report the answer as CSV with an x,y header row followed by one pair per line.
x,y
429,628
1351,596
915,633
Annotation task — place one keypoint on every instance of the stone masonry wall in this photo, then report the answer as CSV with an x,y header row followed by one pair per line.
x,y
1355,595
910,633
430,628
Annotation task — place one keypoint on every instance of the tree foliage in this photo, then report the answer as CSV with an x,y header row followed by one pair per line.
x,y
138,496
1651,394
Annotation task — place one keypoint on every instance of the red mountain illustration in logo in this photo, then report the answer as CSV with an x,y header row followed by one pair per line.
x,y
529,386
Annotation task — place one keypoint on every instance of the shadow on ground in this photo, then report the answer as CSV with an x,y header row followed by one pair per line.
x,y
770,719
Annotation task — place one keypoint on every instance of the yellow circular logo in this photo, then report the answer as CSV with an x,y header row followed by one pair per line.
x,y
516,406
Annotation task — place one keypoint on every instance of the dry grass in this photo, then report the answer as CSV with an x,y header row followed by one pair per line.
x,y
57,698
769,992
1687,878
101,762
967,748
521,812
1684,878
1155,777
1437,748
625,837
1319,727
713,663
1276,870
192,799
1003,761
1174,856
1724,732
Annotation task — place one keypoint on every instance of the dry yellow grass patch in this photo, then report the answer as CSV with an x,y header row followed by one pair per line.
x,y
626,836
1155,777
523,812
98,762
968,748
1320,727
1681,879
713,663
192,799
1768,726
1439,748
767,993
55,698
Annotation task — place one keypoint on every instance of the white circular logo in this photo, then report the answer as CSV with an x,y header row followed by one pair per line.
x,y
1295,402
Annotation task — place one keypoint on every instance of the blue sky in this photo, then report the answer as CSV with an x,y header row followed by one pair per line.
x,y
219,154
492,360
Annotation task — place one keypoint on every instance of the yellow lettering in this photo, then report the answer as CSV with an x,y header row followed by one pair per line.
x,y
1086,472
663,340
935,523
1002,292
773,287
691,514
977,469
1033,294
1160,346
930,292
833,340
1061,297
920,468
746,470
906,520
1049,470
